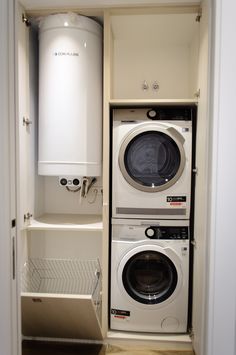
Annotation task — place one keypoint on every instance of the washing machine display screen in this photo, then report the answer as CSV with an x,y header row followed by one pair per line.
x,y
152,159
149,277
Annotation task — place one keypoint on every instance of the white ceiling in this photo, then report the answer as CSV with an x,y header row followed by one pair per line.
x,y
46,4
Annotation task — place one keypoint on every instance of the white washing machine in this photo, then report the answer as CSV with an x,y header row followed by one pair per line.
x,y
149,276
152,162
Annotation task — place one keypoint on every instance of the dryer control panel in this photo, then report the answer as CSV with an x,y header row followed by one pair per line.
x,y
156,232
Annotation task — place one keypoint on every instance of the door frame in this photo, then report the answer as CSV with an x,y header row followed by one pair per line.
x,y
220,315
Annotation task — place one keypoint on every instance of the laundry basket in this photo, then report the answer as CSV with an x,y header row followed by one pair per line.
x,y
61,297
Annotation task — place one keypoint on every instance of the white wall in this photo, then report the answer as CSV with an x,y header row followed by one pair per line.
x,y
221,310
8,321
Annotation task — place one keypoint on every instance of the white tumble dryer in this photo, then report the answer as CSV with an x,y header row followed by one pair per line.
x,y
152,162
149,276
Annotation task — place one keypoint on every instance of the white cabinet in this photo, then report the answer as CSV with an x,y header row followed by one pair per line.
x,y
157,52
59,232
170,47
152,55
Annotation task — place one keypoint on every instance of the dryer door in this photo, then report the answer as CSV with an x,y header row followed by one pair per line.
x,y
150,275
152,157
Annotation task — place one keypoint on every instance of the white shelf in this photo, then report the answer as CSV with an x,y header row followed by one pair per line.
x,y
148,336
64,222
148,102
146,341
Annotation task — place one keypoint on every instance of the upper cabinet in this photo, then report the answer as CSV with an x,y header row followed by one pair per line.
x,y
154,54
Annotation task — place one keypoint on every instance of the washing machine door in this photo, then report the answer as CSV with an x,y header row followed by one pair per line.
x,y
150,275
152,157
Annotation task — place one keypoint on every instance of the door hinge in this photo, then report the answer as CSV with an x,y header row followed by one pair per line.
x,y
25,20
195,170
197,94
26,121
27,216
191,333
199,15
193,242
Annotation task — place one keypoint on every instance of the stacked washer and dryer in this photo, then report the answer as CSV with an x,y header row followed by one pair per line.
x,y
150,224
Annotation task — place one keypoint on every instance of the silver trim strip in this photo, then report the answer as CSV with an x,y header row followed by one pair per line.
x,y
152,211
149,222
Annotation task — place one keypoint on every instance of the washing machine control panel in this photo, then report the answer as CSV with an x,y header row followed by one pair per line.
x,y
155,232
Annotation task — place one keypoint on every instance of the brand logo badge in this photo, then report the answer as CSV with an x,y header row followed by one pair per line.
x,y
66,54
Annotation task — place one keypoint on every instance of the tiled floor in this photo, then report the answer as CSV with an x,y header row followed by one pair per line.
x,y
40,348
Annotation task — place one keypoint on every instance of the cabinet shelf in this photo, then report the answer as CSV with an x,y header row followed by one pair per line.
x,y
148,102
66,222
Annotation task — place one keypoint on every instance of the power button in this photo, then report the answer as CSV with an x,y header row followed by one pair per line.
x,y
152,114
150,232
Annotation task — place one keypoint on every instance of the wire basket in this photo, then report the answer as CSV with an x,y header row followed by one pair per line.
x,y
62,276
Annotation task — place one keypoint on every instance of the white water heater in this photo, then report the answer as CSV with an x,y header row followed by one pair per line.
x,y
70,96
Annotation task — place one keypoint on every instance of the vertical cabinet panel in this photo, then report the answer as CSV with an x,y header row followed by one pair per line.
x,y
8,306
24,130
201,192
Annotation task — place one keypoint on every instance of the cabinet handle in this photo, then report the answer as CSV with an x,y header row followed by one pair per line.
x,y
13,259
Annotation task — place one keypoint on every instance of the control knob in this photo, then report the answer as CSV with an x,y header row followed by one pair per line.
x,y
152,114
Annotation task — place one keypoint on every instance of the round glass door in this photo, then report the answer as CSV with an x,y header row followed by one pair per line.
x,y
151,160
149,277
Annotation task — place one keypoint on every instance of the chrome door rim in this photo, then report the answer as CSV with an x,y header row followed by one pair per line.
x,y
169,253
169,131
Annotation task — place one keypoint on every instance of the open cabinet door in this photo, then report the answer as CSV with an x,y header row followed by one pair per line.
x,y
8,304
200,214
60,317
26,117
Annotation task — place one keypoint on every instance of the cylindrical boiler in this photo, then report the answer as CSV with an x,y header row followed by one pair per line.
x,y
70,96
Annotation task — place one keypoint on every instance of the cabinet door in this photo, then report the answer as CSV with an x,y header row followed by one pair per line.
x,y
60,316
8,304
25,125
199,268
